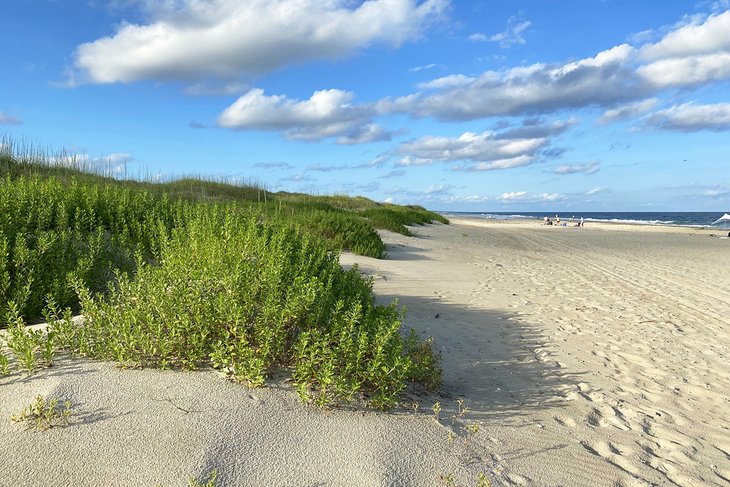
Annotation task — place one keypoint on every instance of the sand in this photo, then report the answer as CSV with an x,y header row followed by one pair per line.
x,y
593,356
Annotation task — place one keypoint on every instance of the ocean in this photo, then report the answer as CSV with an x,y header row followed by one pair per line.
x,y
685,219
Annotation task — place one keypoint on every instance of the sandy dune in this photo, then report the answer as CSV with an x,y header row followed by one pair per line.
x,y
595,356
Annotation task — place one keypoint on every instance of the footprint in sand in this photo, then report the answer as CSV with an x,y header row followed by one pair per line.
x,y
595,418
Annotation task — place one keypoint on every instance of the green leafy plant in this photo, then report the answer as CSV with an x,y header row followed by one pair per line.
x,y
447,480
43,414
4,364
249,297
462,410
426,369
32,348
209,480
21,341
192,272
436,410
483,480
60,223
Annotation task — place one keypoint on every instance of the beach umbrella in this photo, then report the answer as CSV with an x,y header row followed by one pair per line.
x,y
723,219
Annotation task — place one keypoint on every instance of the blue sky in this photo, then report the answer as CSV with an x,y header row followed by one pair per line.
x,y
570,105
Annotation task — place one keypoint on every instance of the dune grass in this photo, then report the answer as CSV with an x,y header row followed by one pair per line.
x,y
194,273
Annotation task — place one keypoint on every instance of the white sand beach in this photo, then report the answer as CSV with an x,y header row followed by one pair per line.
x,y
593,356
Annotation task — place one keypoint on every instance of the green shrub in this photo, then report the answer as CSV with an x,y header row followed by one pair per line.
x,y
395,218
52,233
426,369
249,297
4,364
345,231
32,348
192,272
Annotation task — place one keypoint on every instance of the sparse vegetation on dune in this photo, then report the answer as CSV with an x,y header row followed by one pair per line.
x,y
192,273
43,414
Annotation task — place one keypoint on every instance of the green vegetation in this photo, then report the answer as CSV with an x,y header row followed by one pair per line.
x,y
448,480
43,414
33,349
208,482
4,364
194,273
395,218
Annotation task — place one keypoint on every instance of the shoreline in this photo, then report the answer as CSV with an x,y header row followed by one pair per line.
x,y
595,225
573,221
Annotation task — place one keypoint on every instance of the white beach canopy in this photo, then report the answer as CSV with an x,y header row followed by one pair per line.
x,y
723,219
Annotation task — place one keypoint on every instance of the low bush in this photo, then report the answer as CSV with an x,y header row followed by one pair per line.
x,y
33,349
4,363
250,296
344,231
395,218
191,273
52,233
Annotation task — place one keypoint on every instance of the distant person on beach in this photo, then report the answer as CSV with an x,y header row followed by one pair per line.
x,y
581,222
557,219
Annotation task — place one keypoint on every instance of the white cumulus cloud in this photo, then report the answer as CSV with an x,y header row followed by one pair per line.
x,y
525,197
485,151
197,40
699,37
587,168
327,113
622,79
687,71
513,195
627,111
689,117
447,82
478,37
605,79
692,54
507,163
513,34
469,146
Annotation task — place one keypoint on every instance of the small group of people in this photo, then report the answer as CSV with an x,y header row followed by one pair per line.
x,y
548,221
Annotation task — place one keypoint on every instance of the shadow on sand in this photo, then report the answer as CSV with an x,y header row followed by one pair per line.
x,y
498,364
399,252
